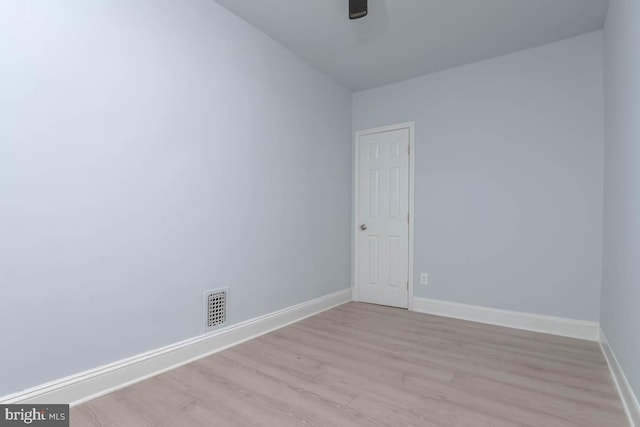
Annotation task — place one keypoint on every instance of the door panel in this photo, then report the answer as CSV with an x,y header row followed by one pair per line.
x,y
383,206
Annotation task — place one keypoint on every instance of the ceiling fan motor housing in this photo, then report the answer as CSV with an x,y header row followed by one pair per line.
x,y
357,9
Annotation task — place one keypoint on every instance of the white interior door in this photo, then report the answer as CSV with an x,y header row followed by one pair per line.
x,y
383,218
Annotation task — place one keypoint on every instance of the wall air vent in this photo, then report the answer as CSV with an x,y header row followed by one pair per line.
x,y
215,307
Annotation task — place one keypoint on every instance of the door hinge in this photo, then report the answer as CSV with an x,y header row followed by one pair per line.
x,y
408,149
407,285
408,218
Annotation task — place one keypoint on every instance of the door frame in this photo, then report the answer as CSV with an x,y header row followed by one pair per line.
x,y
354,203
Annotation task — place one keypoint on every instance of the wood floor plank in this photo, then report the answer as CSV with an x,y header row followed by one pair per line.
x,y
221,396
451,414
296,403
369,365
115,410
272,365
390,412
471,401
560,406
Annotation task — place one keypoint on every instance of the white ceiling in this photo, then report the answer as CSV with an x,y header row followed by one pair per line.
x,y
400,39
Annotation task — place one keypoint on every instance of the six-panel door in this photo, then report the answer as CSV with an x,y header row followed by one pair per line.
x,y
383,215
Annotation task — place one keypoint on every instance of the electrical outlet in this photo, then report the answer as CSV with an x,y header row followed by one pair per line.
x,y
424,278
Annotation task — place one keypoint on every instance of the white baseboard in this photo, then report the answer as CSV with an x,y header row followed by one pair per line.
x,y
582,329
105,379
629,399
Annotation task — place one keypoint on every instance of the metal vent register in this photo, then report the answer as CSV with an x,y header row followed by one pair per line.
x,y
215,307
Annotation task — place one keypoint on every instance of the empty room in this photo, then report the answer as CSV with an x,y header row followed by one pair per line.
x,y
320,213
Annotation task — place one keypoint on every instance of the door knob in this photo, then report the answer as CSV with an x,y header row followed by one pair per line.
x,y
363,227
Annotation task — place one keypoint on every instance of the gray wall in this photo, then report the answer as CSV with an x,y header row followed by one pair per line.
x,y
508,192
620,309
150,150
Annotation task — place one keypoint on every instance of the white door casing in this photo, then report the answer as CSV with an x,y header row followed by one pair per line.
x,y
382,209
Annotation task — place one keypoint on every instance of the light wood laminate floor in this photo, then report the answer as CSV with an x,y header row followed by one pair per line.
x,y
368,365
